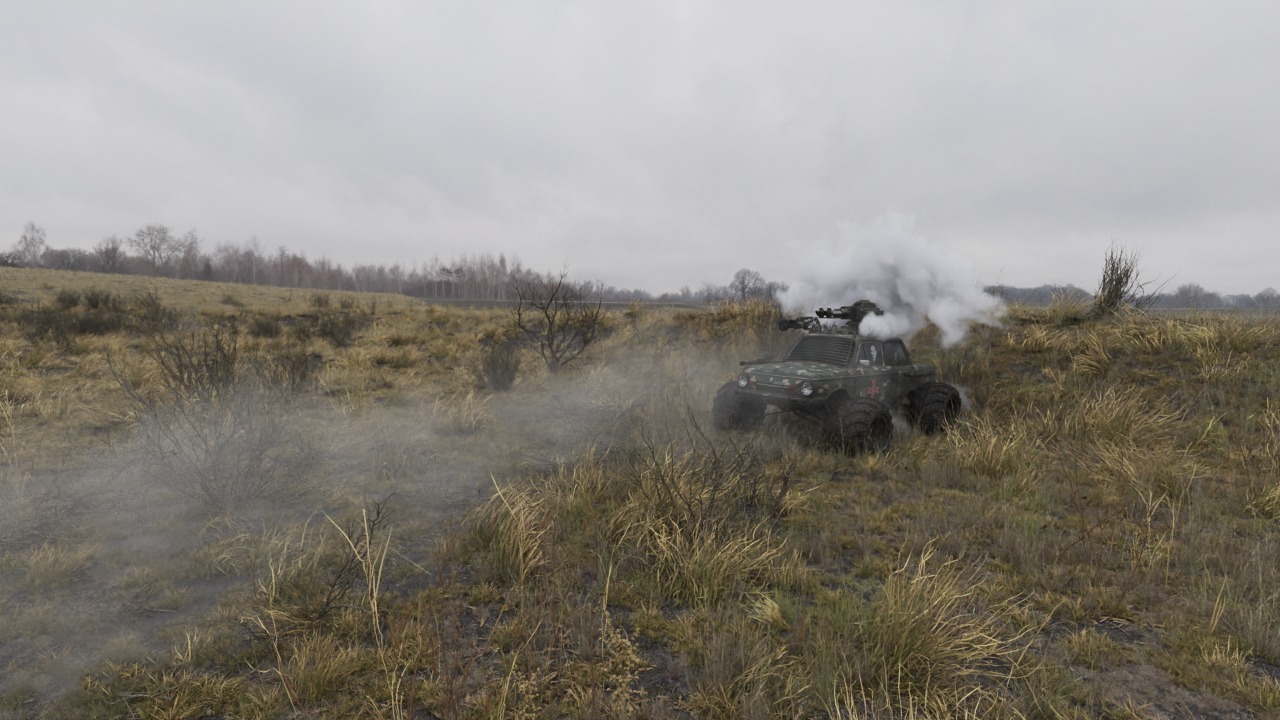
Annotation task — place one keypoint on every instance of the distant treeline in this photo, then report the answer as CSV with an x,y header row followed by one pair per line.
x,y
158,251
1187,296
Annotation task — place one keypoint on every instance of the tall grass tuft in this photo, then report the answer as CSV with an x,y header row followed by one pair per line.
x,y
510,529
995,450
926,634
463,413
704,568
742,672
1258,455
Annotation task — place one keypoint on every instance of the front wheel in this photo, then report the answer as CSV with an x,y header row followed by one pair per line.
x,y
859,425
733,409
933,406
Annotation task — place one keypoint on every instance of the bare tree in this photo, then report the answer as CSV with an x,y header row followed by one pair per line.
x,y
110,253
751,285
187,258
31,245
1268,298
156,245
1194,296
558,318
746,284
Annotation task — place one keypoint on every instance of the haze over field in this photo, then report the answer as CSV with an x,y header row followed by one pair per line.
x,y
659,144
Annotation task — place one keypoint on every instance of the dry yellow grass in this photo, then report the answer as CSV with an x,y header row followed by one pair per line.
x,y
1096,537
36,285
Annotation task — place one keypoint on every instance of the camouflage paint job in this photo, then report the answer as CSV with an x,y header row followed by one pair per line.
x,y
778,383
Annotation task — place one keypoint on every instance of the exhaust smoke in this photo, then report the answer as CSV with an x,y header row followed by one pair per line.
x,y
912,279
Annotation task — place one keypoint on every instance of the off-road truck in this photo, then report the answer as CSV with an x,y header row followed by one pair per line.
x,y
846,384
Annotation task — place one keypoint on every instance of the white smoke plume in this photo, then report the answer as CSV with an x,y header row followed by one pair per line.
x,y
912,279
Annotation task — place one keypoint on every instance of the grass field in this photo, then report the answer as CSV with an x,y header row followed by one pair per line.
x,y
230,501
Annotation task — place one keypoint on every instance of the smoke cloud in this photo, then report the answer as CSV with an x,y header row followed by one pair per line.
x,y
912,279
152,559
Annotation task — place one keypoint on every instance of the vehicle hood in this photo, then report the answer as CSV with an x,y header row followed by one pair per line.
x,y
774,373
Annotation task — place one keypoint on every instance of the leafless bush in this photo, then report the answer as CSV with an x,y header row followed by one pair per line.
x,y
1121,285
215,424
557,317
196,366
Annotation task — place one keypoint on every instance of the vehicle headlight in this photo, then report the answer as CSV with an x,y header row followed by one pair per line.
x,y
743,380
806,388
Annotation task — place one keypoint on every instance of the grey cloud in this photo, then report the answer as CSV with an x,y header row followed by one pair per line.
x,y
655,144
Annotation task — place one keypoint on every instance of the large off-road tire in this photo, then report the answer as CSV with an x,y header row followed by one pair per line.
x,y
733,409
933,406
858,425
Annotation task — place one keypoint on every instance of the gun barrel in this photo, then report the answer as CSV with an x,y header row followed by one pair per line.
x,y
853,313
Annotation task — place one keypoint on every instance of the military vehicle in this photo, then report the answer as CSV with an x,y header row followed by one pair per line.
x,y
845,383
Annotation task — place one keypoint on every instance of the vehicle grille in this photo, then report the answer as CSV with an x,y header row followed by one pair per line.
x,y
834,349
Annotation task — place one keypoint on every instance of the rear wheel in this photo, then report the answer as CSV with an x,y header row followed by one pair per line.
x,y
733,409
859,425
933,406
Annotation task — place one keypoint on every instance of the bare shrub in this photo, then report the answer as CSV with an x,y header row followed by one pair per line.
x,y
197,366
215,423
1121,285
557,317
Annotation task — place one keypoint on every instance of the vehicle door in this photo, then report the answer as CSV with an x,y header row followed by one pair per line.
x,y
876,380
899,366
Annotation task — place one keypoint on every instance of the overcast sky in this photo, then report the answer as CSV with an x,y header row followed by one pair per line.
x,y
657,144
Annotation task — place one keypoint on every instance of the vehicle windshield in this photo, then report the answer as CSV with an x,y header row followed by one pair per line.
x,y
834,349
